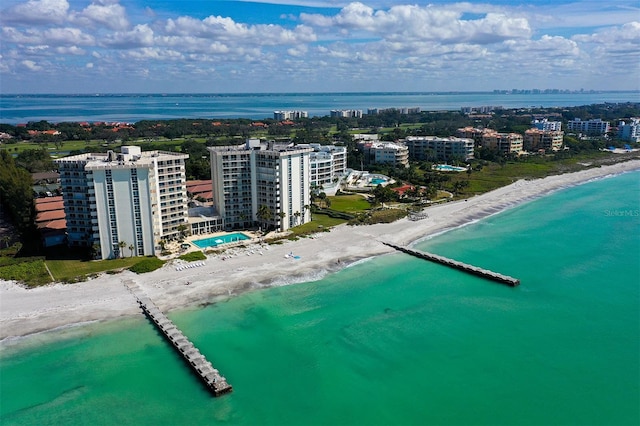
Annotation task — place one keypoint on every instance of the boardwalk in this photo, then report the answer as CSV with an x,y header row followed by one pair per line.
x,y
485,273
203,368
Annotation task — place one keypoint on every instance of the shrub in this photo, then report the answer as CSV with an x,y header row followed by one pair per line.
x,y
193,256
147,265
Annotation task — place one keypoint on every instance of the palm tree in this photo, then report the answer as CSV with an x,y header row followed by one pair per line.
x,y
264,215
6,240
297,216
122,245
131,247
308,207
95,250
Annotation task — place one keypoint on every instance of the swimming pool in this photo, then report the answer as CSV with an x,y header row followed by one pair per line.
x,y
377,181
448,168
221,239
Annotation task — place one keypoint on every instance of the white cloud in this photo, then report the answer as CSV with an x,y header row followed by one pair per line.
x,y
139,36
37,12
68,35
31,65
412,22
107,14
70,50
372,43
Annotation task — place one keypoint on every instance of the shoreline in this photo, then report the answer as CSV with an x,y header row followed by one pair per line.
x,y
27,312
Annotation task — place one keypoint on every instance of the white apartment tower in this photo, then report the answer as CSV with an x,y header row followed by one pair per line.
x,y
256,175
327,162
629,131
133,198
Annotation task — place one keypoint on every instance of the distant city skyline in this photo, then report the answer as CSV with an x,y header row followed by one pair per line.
x,y
288,46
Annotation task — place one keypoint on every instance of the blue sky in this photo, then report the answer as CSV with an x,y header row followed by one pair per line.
x,y
208,46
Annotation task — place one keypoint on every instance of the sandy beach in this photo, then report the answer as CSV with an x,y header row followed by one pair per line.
x,y
27,311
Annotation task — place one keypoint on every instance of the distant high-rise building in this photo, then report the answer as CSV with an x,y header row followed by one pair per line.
x,y
289,115
258,176
346,113
133,198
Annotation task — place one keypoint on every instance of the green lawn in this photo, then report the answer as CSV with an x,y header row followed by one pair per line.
x,y
319,223
349,203
71,270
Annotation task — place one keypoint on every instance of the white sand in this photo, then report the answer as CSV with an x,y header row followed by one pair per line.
x,y
26,311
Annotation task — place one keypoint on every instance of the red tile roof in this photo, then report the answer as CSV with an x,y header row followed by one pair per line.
x,y
46,200
47,207
54,225
50,215
198,189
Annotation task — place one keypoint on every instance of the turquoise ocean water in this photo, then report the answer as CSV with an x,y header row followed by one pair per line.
x,y
393,340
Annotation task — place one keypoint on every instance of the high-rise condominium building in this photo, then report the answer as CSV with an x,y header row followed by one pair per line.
x,y
257,176
114,202
328,162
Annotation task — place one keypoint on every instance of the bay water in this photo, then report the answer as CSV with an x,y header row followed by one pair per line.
x,y
16,109
390,340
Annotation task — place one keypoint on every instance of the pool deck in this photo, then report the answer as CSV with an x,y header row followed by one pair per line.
x,y
176,250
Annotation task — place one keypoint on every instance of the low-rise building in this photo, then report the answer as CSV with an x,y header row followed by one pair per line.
x,y
548,140
506,143
391,153
546,125
593,127
433,148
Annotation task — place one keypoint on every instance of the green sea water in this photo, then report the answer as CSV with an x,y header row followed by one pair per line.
x,y
393,340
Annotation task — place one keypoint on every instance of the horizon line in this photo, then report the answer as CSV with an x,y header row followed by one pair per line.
x,y
492,91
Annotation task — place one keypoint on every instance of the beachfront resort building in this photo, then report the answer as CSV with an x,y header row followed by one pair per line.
x,y
130,200
261,182
327,162
547,140
391,153
629,131
593,127
506,143
434,148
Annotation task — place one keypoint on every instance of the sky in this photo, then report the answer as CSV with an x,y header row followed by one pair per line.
x,y
286,46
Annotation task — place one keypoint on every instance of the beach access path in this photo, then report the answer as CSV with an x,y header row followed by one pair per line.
x,y
27,311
